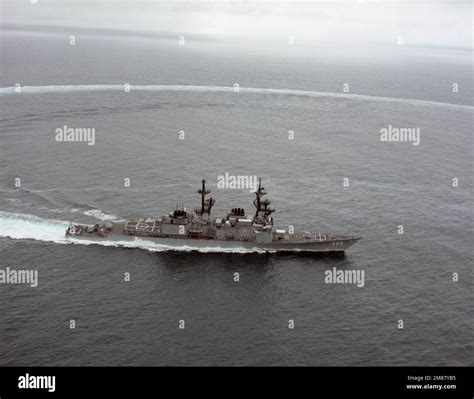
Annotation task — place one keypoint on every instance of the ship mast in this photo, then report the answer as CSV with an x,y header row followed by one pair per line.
x,y
206,204
263,206
203,193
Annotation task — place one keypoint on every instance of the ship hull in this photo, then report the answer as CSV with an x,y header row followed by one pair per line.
x,y
212,244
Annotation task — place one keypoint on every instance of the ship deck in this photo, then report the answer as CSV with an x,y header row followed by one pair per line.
x,y
151,228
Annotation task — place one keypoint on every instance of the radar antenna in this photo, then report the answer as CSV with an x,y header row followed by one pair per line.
x,y
263,206
206,204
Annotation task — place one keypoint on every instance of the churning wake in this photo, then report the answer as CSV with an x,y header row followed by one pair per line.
x,y
22,226
222,89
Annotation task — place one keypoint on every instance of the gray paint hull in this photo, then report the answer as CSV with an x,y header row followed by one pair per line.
x,y
202,244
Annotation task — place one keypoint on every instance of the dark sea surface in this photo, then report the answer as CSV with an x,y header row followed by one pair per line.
x,y
408,276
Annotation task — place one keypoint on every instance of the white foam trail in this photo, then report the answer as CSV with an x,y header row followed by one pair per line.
x,y
100,215
22,226
224,89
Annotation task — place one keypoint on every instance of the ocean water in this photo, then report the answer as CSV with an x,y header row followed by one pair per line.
x,y
408,276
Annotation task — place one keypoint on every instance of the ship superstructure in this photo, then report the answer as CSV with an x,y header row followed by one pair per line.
x,y
200,229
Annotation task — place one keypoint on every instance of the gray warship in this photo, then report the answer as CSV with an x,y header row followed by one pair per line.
x,y
199,230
